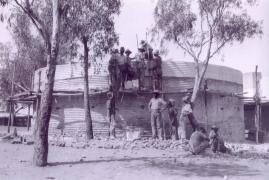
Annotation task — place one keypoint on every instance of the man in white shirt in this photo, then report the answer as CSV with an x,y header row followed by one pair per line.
x,y
186,119
156,106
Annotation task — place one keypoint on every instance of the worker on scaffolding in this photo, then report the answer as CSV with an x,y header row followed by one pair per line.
x,y
129,70
113,69
111,112
141,67
122,67
157,71
148,50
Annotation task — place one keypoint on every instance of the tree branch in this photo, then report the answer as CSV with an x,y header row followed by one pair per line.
x,y
217,49
35,20
186,49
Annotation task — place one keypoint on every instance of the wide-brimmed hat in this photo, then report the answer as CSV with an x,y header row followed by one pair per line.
x,y
186,99
116,50
142,42
127,51
214,127
156,92
141,49
156,53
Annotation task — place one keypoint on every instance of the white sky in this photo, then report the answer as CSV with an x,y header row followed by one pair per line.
x,y
137,16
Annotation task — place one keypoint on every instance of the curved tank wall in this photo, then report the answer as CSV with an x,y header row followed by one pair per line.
x,y
177,75
217,107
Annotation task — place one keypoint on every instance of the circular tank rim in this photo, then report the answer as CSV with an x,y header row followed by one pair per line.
x,y
173,69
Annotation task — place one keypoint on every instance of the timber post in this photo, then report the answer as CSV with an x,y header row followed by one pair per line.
x,y
257,104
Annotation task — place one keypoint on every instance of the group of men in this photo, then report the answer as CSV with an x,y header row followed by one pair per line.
x,y
198,140
122,67
157,105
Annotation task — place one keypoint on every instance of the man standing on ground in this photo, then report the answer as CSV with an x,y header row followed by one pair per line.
x,y
156,106
172,113
186,119
198,141
111,112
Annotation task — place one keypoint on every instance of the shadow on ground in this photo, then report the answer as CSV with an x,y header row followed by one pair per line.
x,y
99,161
172,167
201,169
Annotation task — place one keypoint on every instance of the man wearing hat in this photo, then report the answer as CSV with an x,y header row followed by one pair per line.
x,y
187,121
129,73
122,66
111,112
198,141
157,70
141,67
172,113
113,68
156,106
216,142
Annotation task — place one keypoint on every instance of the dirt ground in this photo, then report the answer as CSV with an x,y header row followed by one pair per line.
x,y
95,163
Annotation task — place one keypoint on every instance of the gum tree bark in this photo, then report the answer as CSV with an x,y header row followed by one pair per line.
x,y
87,110
41,132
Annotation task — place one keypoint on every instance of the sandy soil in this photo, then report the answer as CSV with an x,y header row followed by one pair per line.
x,y
95,163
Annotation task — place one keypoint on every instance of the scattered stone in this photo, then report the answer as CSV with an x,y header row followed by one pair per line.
x,y
26,140
17,140
50,178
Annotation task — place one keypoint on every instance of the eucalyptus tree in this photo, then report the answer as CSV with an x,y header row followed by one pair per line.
x,y
91,23
49,33
202,28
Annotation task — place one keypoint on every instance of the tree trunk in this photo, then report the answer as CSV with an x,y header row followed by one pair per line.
x,y
87,108
198,81
41,133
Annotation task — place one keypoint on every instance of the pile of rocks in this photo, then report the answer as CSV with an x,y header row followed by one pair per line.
x,y
119,143
18,139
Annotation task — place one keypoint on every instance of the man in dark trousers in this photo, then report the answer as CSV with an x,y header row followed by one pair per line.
x,y
156,106
111,112
199,141
129,70
216,142
141,68
122,66
113,68
172,113
157,70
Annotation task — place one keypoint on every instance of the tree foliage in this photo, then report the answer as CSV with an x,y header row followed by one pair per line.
x,y
93,20
202,29
91,23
